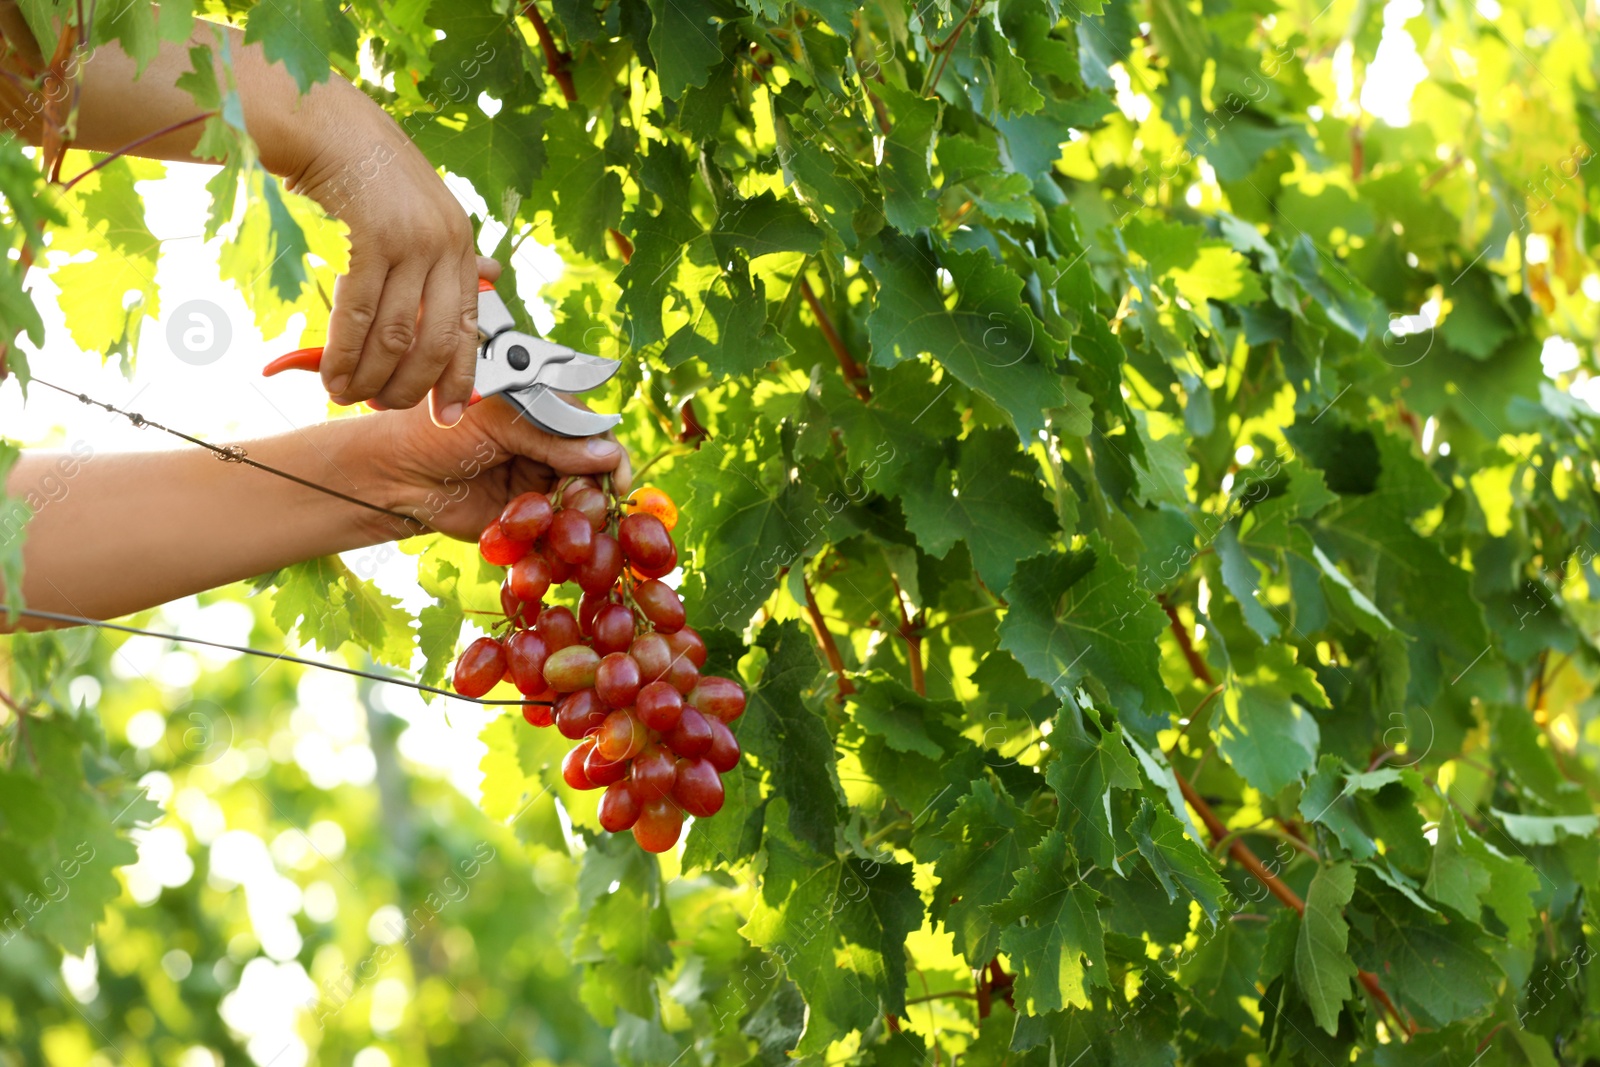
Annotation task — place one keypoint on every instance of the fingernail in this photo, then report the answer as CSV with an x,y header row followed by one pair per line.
x,y
451,414
338,384
600,448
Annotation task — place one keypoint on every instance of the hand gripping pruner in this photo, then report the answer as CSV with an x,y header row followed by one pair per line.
x,y
526,370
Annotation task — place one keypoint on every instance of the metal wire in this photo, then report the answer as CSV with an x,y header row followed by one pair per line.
x,y
56,616
228,453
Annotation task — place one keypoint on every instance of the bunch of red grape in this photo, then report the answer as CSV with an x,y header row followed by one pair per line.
x,y
622,676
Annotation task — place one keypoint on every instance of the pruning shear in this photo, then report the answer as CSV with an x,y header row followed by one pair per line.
x,y
526,370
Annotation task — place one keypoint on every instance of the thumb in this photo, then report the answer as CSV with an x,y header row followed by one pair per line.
x,y
516,436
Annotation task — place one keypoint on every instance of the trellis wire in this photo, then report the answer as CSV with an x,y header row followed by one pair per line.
x,y
57,616
228,453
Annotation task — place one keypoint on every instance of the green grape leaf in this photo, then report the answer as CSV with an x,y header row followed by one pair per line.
x,y
1080,614
991,477
1321,961
838,925
989,838
1052,931
1181,866
785,733
307,36
990,340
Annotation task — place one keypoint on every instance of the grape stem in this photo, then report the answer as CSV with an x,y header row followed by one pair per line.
x,y
556,61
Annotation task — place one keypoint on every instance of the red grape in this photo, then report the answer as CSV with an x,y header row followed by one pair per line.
x,y
591,502
698,789
652,654
527,517
647,544
613,629
560,569
719,698
654,771
659,706
660,605
580,714
683,675
602,771
603,567
724,751
687,641
617,680
571,668
480,667
588,607
572,766
619,808
526,653
691,737
559,628
538,714
658,827
571,537
530,578
621,736
498,548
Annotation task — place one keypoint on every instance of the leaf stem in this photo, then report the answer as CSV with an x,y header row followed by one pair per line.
x,y
913,639
131,145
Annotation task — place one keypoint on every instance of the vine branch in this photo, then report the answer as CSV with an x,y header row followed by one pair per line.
x,y
913,639
855,375
830,648
557,61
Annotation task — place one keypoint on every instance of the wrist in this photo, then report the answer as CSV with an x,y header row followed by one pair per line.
x,y
332,146
360,446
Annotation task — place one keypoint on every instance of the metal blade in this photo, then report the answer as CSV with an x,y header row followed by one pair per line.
x,y
579,374
549,412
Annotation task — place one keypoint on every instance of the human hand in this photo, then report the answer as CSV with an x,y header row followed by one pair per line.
x,y
458,480
405,316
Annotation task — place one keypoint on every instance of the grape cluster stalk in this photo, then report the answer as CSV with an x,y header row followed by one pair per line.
x,y
622,676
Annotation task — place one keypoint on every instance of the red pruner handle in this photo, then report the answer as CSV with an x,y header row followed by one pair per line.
x,y
311,359
299,359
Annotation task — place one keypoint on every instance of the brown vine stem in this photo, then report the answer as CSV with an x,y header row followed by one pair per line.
x,y
943,48
131,145
830,648
1241,852
1196,664
556,61
1276,886
855,375
913,639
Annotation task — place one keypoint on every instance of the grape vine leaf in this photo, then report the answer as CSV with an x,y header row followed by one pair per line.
x,y
1267,737
1083,774
1180,865
989,838
990,477
839,925
306,36
782,730
1321,962
1052,931
1079,614
989,340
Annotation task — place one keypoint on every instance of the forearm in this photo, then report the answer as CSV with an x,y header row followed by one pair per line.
x,y
116,533
119,105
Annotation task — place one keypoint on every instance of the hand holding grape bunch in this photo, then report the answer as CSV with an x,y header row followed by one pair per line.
x,y
622,677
